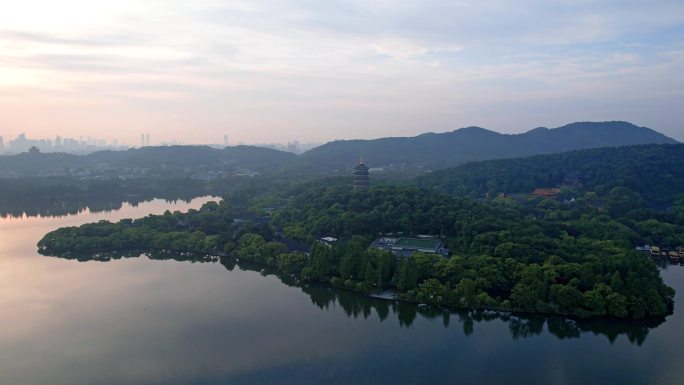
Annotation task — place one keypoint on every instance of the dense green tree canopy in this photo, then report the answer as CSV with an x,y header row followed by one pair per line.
x,y
537,257
644,175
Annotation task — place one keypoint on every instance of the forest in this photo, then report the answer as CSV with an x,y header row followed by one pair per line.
x,y
653,174
539,256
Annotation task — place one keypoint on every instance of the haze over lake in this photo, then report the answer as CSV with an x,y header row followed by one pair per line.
x,y
138,320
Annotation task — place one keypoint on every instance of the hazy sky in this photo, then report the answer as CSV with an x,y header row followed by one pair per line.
x,y
263,71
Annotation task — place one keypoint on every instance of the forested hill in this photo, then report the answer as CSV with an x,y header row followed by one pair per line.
x,y
167,157
655,172
407,155
435,151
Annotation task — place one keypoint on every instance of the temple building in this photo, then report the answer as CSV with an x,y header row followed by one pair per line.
x,y
360,176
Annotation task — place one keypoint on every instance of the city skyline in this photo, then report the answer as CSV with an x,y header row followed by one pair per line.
x,y
23,142
273,71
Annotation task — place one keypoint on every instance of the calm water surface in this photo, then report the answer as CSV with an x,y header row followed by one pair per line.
x,y
152,321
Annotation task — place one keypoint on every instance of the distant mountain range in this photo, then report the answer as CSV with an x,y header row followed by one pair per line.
x,y
424,152
434,151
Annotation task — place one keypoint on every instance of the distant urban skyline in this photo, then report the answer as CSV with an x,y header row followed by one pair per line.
x,y
271,71
22,142
87,144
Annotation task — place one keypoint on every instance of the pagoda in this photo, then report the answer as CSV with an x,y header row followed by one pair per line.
x,y
360,176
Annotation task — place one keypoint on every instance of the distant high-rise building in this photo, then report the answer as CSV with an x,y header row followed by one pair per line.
x,y
142,140
225,140
2,144
360,176
59,144
147,139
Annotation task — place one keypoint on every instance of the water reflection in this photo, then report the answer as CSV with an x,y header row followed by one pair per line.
x,y
89,204
519,325
354,305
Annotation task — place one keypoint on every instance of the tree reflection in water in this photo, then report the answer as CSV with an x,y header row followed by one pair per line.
x,y
94,204
354,305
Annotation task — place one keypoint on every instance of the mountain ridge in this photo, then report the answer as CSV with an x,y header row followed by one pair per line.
x,y
424,152
439,150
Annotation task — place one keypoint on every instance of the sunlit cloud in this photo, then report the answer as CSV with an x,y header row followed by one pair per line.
x,y
276,71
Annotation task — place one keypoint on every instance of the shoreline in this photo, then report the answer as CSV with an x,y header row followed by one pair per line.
x,y
398,297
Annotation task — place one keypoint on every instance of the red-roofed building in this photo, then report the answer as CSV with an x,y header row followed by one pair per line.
x,y
545,192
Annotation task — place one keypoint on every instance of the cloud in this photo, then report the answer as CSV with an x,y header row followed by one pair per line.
x,y
383,67
45,38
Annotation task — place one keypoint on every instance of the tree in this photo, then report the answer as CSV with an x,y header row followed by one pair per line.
x,y
431,291
291,263
467,291
384,261
595,300
320,261
408,275
566,297
347,266
524,297
354,255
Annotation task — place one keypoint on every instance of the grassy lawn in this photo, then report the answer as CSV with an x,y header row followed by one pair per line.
x,y
417,243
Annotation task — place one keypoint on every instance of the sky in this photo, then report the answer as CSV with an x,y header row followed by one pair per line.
x,y
275,71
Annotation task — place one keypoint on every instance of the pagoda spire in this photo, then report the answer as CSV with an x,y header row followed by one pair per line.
x,y
360,175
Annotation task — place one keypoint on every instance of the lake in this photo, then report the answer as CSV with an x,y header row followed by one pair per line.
x,y
158,320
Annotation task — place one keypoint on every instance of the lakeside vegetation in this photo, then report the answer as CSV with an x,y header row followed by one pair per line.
x,y
324,296
543,257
